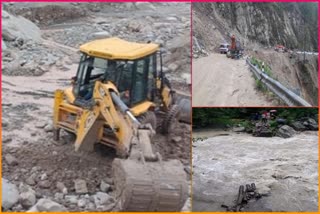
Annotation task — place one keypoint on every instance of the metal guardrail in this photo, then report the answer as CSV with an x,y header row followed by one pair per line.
x,y
286,95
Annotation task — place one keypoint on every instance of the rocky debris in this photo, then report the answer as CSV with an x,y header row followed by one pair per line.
x,y
80,186
46,205
62,187
104,187
286,131
10,194
11,160
102,199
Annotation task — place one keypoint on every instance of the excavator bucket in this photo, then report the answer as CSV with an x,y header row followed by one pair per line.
x,y
149,186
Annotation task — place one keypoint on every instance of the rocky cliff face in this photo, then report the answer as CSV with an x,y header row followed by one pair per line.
x,y
292,24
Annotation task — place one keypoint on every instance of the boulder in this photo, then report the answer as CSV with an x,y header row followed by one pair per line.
x,y
27,199
14,27
286,131
10,194
298,126
46,205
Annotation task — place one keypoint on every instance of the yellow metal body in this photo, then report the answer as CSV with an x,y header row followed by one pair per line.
x,y
115,48
103,122
90,125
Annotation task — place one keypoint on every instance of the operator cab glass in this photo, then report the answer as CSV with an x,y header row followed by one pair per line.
x,y
133,79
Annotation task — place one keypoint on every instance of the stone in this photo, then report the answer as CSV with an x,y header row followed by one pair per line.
x,y
40,125
104,187
10,194
285,131
58,196
3,45
106,208
44,176
27,199
176,139
11,160
173,67
72,199
80,186
239,129
31,180
46,205
298,126
60,186
45,184
48,128
82,202
145,6
100,35
101,198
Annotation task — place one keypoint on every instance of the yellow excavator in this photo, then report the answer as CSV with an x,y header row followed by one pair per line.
x,y
112,101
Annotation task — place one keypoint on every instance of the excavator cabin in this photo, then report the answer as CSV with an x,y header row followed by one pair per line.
x,y
131,67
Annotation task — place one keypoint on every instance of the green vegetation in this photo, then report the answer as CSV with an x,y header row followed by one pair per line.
x,y
222,117
259,63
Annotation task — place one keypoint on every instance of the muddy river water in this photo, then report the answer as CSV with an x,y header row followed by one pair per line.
x,y
284,170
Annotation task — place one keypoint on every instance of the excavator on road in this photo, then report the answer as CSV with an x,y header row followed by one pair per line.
x,y
112,101
235,51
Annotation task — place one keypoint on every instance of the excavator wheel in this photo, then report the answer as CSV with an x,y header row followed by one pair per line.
x,y
149,186
169,119
148,117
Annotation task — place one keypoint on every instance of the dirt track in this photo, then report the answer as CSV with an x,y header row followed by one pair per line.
x,y
285,170
220,81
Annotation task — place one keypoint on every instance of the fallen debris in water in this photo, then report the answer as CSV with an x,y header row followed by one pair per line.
x,y
244,196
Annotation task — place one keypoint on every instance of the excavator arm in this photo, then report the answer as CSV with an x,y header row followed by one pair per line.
x,y
142,180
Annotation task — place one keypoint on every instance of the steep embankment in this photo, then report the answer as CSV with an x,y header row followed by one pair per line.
x,y
265,23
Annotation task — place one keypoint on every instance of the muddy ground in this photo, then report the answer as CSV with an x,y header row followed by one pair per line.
x,y
27,99
285,171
